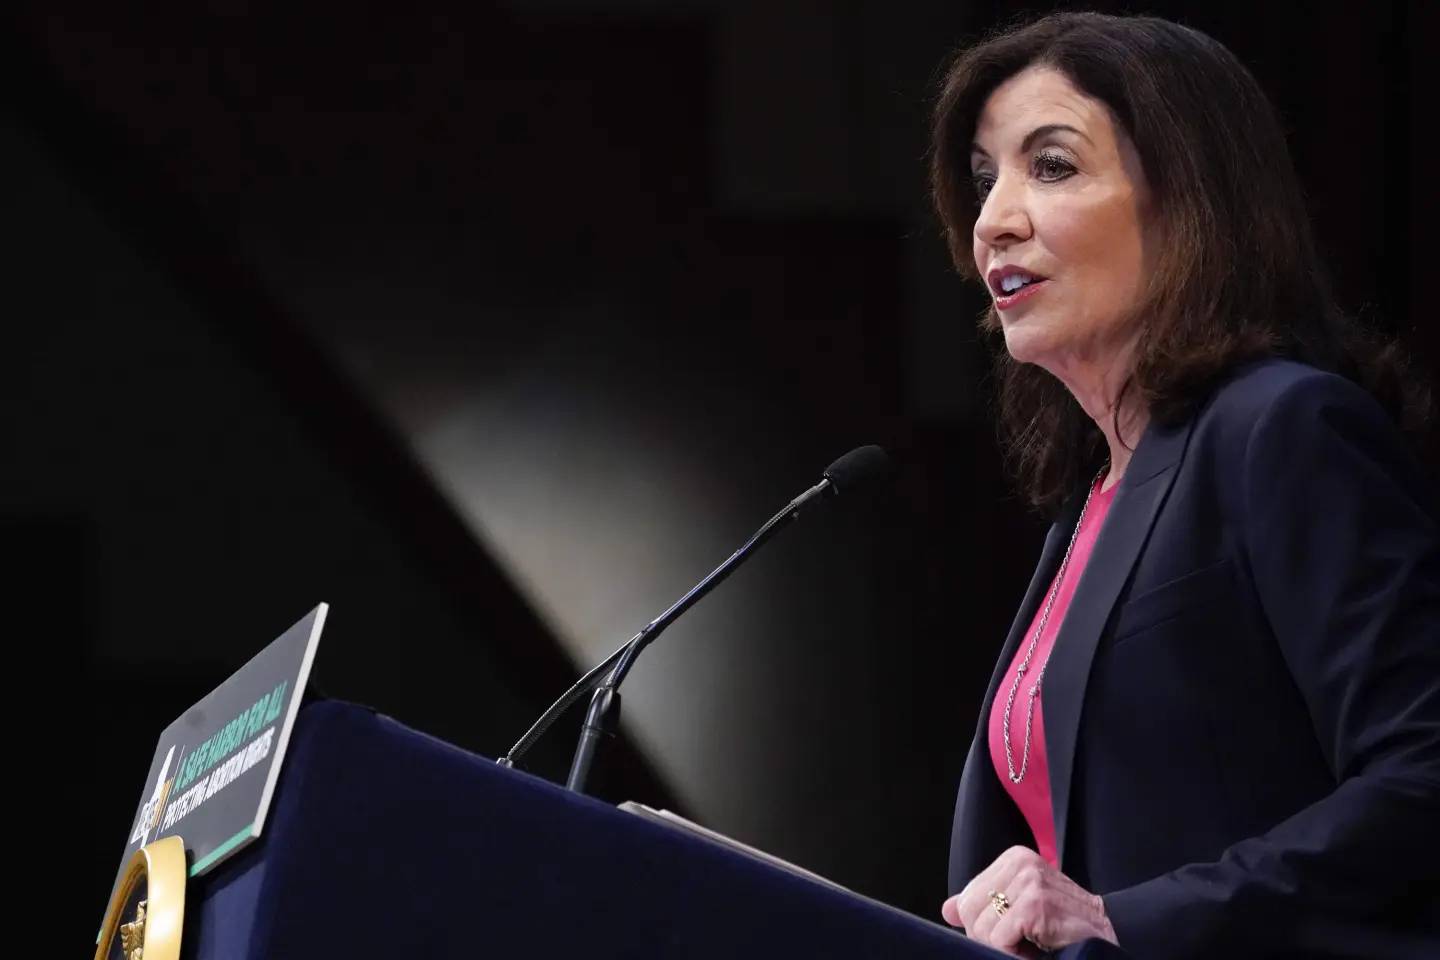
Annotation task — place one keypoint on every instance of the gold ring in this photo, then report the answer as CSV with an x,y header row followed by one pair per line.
x,y
1000,902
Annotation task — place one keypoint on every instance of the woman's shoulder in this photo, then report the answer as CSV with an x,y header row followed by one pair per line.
x,y
1280,416
1273,391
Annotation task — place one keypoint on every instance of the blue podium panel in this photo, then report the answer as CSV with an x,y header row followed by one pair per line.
x,y
384,842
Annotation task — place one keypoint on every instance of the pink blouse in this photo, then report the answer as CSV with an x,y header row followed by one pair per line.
x,y
1032,793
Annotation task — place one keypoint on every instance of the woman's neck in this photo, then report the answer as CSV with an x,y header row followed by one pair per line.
x,y
1101,391
1132,420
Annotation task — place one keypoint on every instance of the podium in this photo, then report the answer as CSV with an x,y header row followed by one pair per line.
x,y
384,842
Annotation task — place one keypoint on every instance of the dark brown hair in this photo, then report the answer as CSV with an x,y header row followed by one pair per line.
x,y
1237,274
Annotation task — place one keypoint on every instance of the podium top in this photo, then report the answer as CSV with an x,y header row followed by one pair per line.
x,y
385,840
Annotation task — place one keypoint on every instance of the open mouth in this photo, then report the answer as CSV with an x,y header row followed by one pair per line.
x,y
1015,289
1011,282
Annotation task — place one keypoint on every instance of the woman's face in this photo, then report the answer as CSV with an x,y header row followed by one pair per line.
x,y
1064,203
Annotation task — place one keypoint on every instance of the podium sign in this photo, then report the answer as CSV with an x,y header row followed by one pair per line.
x,y
215,768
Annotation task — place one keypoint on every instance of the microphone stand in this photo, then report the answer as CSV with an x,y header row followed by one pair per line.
x,y
603,714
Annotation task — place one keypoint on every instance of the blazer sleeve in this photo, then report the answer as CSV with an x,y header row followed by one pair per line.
x,y
1339,528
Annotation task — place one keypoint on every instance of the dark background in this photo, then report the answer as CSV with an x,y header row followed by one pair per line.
x,y
497,325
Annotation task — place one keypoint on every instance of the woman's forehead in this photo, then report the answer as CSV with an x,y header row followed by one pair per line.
x,y
1036,96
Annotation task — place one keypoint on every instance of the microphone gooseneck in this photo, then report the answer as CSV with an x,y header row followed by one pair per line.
x,y
856,470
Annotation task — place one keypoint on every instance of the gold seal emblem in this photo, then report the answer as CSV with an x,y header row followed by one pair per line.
x,y
132,935
147,912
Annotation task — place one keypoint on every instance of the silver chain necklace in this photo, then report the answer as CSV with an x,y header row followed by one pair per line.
x,y
1030,652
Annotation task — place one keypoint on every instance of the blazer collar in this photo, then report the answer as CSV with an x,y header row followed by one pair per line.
x,y
1132,513
1159,450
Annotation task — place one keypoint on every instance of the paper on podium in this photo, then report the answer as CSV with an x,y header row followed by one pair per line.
x,y
678,822
675,820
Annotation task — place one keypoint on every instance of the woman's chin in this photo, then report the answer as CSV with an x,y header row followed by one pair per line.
x,y
1026,341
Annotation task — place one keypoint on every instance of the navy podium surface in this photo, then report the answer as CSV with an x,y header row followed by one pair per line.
x,y
385,842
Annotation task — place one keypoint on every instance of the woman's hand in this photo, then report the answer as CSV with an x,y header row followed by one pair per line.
x,y
1045,907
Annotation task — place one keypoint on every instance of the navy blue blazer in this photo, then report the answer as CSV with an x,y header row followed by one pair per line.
x,y
1242,711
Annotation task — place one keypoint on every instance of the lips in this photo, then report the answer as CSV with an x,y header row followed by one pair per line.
x,y
1031,289
998,275
1010,275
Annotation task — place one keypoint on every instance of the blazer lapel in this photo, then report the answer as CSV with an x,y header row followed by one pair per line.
x,y
1127,525
982,804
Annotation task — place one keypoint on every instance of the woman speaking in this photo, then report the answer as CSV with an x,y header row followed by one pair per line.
x,y
1214,729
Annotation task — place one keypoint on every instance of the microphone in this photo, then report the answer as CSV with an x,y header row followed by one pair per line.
x,y
860,468
857,470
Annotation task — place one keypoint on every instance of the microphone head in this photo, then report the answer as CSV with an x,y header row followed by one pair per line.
x,y
860,468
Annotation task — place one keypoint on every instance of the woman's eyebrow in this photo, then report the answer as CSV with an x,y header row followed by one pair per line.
x,y
1036,134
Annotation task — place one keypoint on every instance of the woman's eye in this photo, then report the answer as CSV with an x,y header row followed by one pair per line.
x,y
1050,167
983,183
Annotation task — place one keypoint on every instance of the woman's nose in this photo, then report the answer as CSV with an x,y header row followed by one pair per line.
x,y
1003,219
